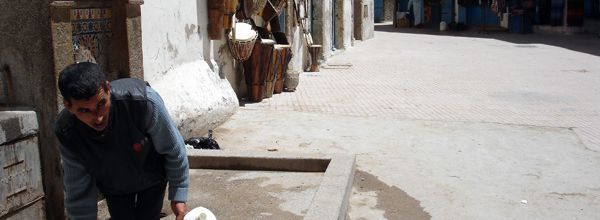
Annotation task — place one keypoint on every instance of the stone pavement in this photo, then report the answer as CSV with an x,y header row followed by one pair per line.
x,y
473,126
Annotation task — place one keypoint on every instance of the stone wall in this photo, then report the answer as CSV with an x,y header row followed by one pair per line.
x,y
179,62
28,76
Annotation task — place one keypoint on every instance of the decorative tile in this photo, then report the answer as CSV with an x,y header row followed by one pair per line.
x,y
90,13
92,29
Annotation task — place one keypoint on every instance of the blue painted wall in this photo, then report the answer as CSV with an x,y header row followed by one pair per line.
x,y
462,14
474,16
378,10
402,5
447,11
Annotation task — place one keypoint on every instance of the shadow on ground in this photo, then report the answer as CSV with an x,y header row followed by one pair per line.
x,y
395,203
585,43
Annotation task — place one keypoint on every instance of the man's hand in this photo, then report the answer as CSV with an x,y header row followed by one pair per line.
x,y
178,209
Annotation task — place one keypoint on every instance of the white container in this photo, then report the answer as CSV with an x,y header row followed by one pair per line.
x,y
200,213
443,26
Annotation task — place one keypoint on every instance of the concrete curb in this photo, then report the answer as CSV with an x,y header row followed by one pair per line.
x,y
331,199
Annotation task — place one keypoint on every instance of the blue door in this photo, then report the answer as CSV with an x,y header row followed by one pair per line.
x,y
378,10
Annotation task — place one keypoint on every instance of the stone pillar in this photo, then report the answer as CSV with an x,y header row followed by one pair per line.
x,y
134,39
322,32
62,44
125,53
358,19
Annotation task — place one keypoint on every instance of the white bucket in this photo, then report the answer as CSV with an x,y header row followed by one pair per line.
x,y
443,26
200,213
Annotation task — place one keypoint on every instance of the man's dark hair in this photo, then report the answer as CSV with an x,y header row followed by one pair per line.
x,y
81,81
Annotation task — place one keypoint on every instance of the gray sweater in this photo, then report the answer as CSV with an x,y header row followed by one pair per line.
x,y
80,189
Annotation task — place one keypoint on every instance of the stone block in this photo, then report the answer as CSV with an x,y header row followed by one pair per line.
x,y
17,124
20,175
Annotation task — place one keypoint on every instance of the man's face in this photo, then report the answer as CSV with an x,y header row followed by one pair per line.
x,y
93,111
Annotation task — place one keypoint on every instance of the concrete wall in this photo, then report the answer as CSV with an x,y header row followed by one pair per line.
x,y
178,63
26,52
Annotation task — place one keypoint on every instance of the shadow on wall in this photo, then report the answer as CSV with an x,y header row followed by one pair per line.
x,y
585,43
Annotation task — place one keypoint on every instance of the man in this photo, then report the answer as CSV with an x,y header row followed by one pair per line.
x,y
118,138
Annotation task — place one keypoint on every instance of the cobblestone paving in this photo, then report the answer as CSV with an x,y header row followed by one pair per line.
x,y
538,80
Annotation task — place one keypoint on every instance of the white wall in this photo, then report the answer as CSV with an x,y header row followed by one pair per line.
x,y
369,22
327,28
170,35
348,23
176,49
298,47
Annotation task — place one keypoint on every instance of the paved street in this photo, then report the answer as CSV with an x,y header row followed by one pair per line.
x,y
476,126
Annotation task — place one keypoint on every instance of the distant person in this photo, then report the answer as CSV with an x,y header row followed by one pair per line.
x,y
118,138
417,8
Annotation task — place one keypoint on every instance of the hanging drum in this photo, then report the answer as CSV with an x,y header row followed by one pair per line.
x,y
241,41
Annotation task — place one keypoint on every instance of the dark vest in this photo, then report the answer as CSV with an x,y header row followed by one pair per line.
x,y
122,158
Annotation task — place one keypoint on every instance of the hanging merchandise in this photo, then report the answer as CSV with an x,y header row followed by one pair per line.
x,y
230,6
216,12
417,6
314,50
254,7
499,7
272,9
241,41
